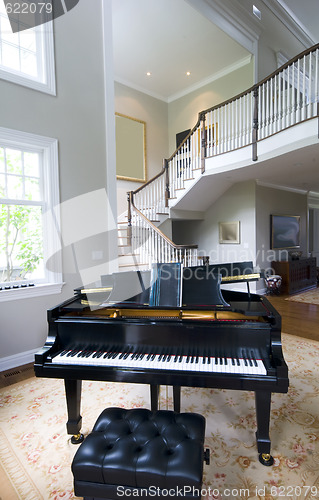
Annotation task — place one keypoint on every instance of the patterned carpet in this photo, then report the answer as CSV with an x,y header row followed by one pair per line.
x,y
309,297
36,453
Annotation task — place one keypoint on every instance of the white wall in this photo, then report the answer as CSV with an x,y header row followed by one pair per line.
x,y
154,112
236,204
76,117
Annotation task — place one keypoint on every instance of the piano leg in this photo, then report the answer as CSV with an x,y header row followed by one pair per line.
x,y
177,398
73,401
154,396
263,403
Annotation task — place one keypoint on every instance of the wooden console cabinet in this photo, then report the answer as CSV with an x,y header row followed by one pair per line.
x,y
297,275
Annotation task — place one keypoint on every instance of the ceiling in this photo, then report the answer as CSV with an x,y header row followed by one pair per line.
x,y
169,38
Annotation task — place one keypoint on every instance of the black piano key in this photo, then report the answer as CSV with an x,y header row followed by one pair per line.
x,y
253,358
73,353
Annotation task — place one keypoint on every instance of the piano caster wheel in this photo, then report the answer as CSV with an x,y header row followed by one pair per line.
x,y
77,438
266,459
207,456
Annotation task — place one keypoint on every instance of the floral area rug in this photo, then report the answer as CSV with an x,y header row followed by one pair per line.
x,y
36,452
310,297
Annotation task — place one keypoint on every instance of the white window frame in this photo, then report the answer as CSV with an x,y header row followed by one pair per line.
x,y
48,148
45,33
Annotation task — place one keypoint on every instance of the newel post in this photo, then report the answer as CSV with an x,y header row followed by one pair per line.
x,y
203,142
129,216
255,125
167,194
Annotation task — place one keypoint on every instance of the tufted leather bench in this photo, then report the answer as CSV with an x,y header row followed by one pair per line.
x,y
141,453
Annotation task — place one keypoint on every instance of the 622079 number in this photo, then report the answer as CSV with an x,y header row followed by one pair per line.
x,y
28,8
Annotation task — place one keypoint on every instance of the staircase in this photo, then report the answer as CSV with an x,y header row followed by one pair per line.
x,y
287,97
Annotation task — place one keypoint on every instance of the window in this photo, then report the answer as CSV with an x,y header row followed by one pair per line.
x,y
29,215
27,56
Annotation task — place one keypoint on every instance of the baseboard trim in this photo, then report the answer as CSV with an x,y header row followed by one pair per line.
x,y
20,359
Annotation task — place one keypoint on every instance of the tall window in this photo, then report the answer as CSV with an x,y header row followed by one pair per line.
x,y
27,56
29,216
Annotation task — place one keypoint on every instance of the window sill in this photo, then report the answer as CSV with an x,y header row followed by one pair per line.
x,y
37,290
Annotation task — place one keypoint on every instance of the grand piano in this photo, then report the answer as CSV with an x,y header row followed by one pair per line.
x,y
172,325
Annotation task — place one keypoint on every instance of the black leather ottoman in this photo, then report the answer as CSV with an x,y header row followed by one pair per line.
x,y
141,453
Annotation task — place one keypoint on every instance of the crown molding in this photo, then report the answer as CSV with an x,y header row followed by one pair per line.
x,y
286,16
139,88
211,78
282,188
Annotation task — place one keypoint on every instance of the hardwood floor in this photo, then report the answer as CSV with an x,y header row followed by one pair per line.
x,y
297,319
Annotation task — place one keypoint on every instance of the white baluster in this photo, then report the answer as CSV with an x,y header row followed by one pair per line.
x,y
309,90
293,96
304,96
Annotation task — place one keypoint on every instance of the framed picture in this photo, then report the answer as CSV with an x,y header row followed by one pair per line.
x,y
229,232
130,135
284,231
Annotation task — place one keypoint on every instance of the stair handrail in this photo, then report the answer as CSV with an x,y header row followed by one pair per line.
x,y
156,229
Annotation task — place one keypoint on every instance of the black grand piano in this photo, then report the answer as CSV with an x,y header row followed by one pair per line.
x,y
174,326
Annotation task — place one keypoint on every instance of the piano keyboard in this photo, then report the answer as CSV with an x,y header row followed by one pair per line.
x,y
145,361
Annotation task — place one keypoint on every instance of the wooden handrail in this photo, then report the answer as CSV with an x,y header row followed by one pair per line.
x,y
158,231
149,182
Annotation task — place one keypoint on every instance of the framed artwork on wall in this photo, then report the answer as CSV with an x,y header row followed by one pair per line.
x,y
229,232
130,135
284,231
